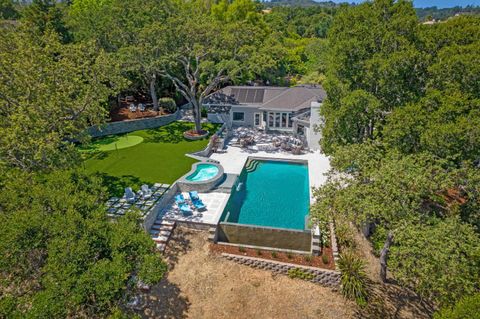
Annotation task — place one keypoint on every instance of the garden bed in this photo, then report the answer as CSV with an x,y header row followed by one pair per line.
x,y
298,259
193,135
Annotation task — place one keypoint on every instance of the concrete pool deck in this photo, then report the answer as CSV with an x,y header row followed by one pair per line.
x,y
233,161
214,201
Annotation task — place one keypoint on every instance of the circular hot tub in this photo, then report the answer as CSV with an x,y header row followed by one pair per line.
x,y
202,177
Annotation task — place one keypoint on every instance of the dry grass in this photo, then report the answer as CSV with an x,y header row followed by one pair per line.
x,y
204,285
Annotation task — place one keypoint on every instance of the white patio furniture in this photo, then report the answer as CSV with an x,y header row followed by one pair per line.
x,y
141,107
146,191
132,107
129,195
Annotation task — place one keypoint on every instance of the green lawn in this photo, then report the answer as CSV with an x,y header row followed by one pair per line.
x,y
160,158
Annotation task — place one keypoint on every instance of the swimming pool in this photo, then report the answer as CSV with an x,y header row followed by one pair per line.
x,y
203,172
270,193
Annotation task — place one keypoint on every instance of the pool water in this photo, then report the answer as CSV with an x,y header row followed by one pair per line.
x,y
203,172
270,193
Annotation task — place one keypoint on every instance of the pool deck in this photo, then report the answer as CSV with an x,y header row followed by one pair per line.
x,y
233,161
214,201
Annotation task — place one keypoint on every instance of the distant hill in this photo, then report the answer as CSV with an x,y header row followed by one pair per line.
x,y
299,3
425,14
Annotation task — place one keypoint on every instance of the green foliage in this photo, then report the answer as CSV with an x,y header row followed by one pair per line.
x,y
300,273
259,252
241,249
8,10
325,259
152,269
168,104
62,256
289,255
354,280
204,112
308,258
50,95
274,254
467,308
440,259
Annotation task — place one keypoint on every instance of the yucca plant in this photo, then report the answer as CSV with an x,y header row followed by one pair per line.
x,y
353,279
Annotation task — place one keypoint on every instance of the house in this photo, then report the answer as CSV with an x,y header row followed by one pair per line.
x,y
284,109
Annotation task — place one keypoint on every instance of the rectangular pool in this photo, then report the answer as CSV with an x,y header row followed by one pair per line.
x,y
270,193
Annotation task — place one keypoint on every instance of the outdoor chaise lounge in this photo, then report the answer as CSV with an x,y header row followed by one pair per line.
x,y
146,191
196,201
129,195
182,204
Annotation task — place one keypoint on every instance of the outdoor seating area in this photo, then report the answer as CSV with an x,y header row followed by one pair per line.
x,y
253,139
144,200
203,208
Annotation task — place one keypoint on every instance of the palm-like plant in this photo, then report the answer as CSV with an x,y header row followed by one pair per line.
x,y
353,279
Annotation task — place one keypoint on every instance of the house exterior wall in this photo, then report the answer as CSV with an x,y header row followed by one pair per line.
x,y
313,137
249,112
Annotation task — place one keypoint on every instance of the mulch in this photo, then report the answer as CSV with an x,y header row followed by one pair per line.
x,y
315,261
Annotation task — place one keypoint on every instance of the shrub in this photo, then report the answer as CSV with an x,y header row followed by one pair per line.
x,y
289,255
167,104
308,258
274,254
259,252
325,259
345,235
241,249
353,279
204,112
299,273
152,269
467,308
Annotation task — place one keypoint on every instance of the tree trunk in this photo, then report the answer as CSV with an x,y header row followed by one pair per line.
x,y
197,114
153,93
384,256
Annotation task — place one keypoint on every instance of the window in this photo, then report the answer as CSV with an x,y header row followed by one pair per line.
x,y
257,119
270,119
238,116
277,119
284,119
290,122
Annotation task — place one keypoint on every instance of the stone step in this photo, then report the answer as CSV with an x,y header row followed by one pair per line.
x,y
161,247
162,227
160,239
161,232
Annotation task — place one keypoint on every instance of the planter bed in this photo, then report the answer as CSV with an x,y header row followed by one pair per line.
x,y
316,261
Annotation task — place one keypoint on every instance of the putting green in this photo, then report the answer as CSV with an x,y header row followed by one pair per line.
x,y
117,142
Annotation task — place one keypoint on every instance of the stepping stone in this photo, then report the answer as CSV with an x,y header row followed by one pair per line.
x,y
161,247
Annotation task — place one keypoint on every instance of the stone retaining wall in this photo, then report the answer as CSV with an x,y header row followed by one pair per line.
x,y
132,125
324,277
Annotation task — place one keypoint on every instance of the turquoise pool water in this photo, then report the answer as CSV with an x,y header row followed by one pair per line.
x,y
203,172
270,193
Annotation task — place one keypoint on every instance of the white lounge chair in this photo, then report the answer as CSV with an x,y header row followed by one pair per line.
x,y
146,191
141,107
129,195
132,107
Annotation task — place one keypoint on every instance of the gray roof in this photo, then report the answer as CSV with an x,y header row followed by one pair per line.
x,y
268,97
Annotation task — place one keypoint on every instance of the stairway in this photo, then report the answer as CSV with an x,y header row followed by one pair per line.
x,y
251,165
161,232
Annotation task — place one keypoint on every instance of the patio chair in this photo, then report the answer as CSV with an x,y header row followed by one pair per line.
x,y
196,201
132,107
182,204
146,191
141,107
129,195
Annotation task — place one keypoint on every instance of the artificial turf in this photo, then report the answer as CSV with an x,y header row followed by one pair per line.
x,y
160,158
